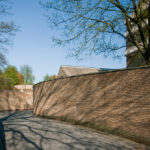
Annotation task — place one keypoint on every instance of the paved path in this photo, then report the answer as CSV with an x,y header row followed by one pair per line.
x,y
23,131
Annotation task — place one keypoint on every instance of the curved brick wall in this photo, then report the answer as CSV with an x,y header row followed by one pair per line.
x,y
15,100
118,99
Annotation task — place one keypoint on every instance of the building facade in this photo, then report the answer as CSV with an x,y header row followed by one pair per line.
x,y
133,56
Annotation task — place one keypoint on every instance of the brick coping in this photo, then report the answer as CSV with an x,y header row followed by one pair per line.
x,y
102,72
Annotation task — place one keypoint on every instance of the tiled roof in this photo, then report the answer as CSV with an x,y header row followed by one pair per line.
x,y
66,71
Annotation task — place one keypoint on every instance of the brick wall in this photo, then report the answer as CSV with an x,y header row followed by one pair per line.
x,y
15,100
118,99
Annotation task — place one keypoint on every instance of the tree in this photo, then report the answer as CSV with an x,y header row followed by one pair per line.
x,y
26,71
10,76
49,77
95,26
7,30
1,72
2,60
21,78
5,83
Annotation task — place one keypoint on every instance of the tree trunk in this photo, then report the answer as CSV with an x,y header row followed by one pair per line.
x,y
147,53
147,58
148,61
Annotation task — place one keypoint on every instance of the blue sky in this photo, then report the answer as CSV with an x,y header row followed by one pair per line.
x,y
33,45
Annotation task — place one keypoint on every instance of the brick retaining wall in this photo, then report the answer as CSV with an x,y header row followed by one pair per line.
x,y
118,99
15,100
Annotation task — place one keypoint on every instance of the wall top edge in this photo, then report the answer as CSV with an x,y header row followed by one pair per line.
x,y
101,72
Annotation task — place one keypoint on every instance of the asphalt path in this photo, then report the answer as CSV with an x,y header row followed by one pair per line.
x,y
24,131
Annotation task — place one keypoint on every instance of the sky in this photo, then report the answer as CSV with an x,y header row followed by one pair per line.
x,y
33,45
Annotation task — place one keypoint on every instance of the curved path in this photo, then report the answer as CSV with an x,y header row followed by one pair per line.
x,y
23,131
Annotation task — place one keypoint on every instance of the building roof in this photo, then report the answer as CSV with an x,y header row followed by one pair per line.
x,y
66,71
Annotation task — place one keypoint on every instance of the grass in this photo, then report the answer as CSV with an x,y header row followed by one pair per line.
x,y
105,129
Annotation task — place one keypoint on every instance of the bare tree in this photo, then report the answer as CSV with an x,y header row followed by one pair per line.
x,y
26,71
95,26
7,30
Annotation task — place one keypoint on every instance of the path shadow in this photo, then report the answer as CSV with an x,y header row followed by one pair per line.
x,y
23,131
2,137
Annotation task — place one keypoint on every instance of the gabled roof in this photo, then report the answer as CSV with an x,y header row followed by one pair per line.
x,y
66,71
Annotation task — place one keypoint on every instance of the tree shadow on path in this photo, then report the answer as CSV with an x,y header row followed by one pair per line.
x,y
23,131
